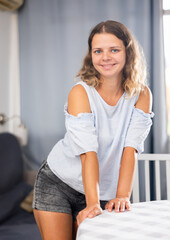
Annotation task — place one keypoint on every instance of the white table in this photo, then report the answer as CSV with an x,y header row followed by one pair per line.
x,y
145,221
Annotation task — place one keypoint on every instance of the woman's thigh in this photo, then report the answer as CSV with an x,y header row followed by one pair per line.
x,y
55,205
53,225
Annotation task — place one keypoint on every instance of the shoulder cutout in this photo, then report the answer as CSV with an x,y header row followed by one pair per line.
x,y
144,101
78,101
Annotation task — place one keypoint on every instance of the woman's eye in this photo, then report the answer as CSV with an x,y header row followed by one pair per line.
x,y
115,50
97,51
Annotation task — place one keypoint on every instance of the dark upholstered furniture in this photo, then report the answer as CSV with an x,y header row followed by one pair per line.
x,y
15,223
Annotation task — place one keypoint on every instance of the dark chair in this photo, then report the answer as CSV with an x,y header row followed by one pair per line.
x,y
15,223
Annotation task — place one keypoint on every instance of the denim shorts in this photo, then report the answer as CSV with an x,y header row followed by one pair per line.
x,y
53,195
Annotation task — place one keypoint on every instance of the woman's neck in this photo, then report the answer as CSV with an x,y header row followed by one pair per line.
x,y
110,91
110,87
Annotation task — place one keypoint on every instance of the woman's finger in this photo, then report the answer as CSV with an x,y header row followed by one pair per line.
x,y
127,204
81,216
117,206
122,206
110,206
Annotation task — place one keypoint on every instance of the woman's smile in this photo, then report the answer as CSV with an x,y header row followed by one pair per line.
x,y
107,66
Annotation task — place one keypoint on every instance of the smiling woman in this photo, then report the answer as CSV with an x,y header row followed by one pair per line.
x,y
107,117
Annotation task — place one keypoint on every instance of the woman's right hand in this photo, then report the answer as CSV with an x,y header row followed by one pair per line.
x,y
89,212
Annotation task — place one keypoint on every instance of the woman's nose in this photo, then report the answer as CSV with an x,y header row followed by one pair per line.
x,y
106,56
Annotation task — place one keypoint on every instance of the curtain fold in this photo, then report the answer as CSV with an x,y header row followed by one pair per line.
x,y
160,142
160,135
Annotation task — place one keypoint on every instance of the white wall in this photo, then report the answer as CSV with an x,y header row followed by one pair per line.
x,y
9,68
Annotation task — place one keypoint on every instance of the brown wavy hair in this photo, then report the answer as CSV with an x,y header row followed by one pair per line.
x,y
134,71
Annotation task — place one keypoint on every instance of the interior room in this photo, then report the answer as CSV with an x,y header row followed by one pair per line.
x,y
42,46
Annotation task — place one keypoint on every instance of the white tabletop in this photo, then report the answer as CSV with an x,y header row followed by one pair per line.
x,y
145,221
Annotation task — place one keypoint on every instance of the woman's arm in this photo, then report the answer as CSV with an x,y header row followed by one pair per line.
x,y
90,175
78,103
126,174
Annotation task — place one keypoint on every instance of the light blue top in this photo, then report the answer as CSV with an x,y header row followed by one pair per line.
x,y
106,131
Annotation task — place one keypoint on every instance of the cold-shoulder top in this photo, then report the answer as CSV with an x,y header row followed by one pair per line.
x,y
107,130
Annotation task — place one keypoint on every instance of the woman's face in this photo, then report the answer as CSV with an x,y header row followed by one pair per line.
x,y
108,55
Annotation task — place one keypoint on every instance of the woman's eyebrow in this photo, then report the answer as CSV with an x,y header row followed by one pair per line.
x,y
109,47
116,47
96,48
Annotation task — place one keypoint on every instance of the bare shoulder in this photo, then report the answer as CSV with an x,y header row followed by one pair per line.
x,y
144,101
78,101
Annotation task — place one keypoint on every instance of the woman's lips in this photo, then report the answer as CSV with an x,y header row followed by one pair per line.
x,y
107,66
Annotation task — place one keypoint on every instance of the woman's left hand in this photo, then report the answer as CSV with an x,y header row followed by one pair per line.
x,y
119,204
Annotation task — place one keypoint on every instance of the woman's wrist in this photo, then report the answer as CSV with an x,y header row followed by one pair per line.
x,y
92,202
118,195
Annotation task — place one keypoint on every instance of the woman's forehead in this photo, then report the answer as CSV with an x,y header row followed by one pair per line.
x,y
105,40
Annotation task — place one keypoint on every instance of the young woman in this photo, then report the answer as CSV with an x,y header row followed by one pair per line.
x,y
108,117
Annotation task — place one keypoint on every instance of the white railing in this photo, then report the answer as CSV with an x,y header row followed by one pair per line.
x,y
156,158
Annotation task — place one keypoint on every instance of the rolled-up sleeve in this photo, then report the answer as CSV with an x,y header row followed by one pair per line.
x,y
81,132
138,129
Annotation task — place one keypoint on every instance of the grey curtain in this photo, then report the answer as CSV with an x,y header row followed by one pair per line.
x,y
53,41
158,80
160,136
